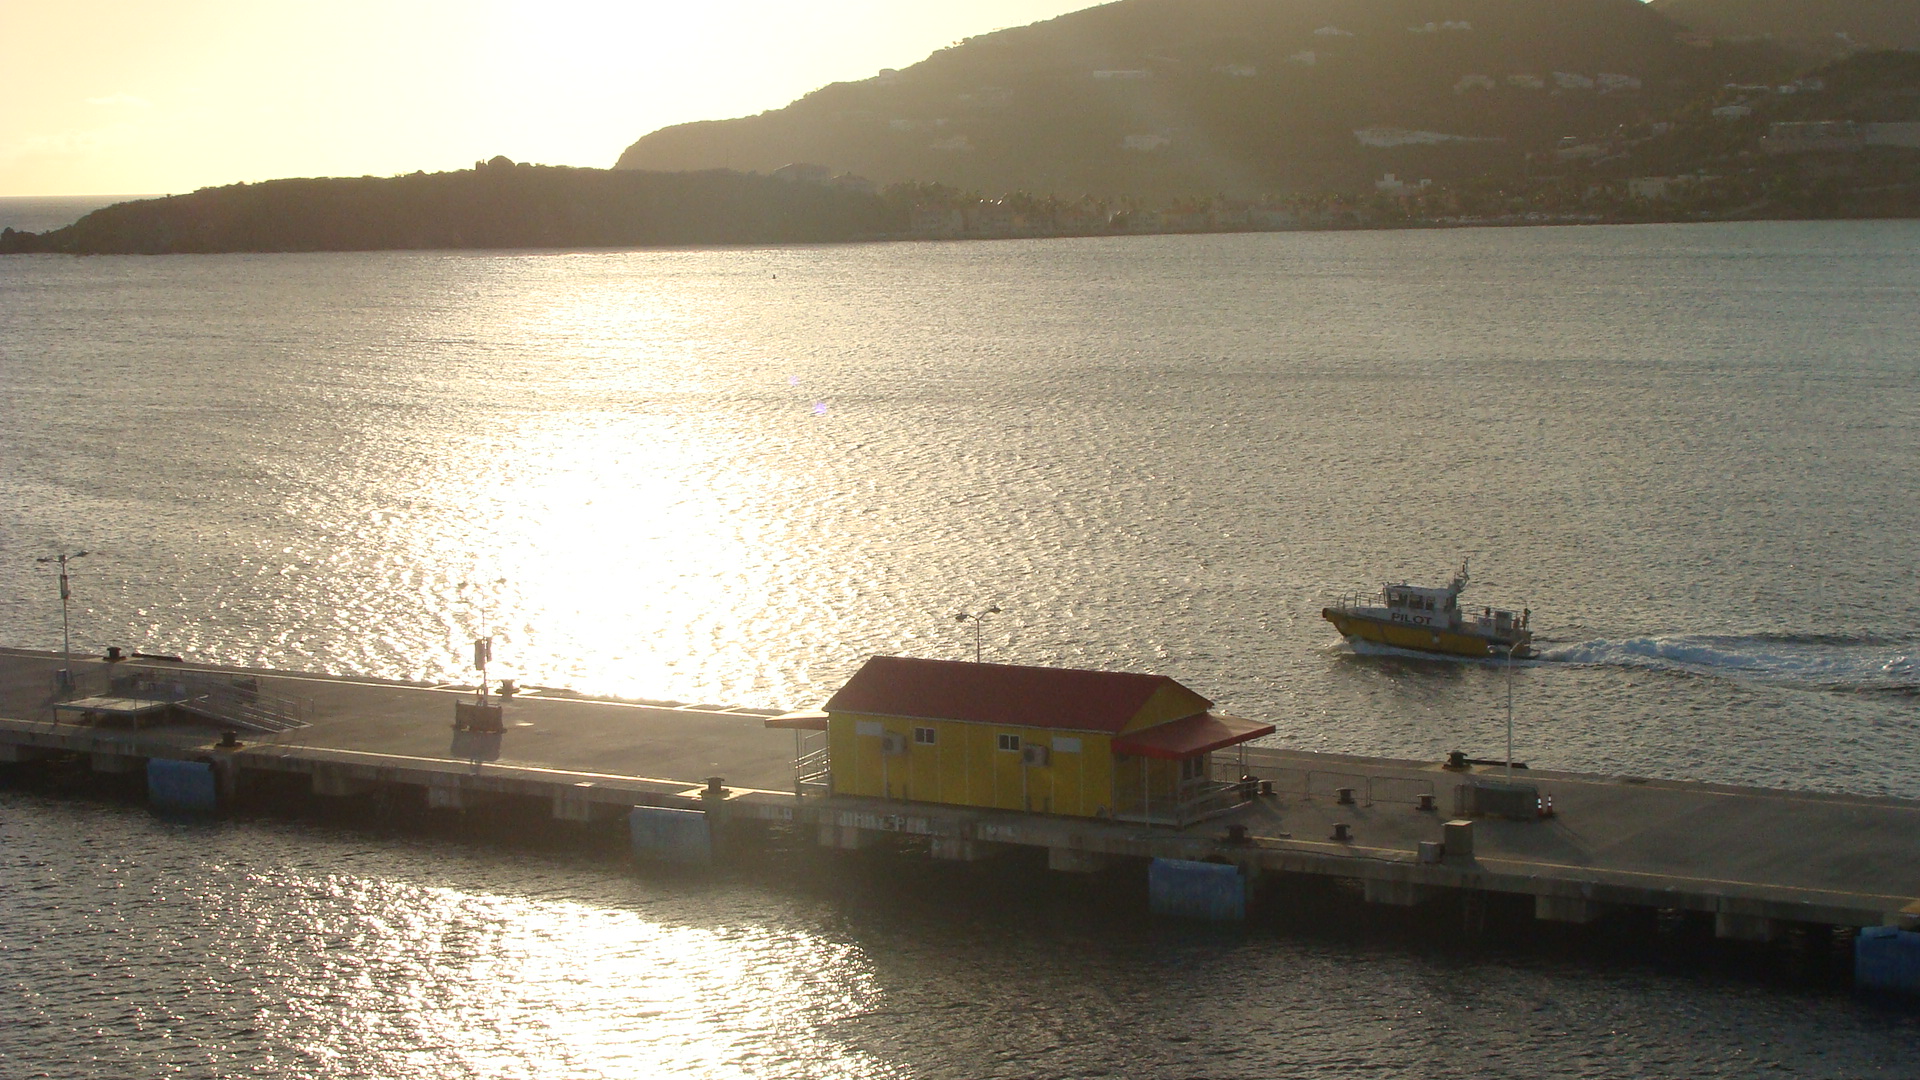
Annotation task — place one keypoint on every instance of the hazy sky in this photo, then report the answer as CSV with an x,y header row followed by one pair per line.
x,y
110,97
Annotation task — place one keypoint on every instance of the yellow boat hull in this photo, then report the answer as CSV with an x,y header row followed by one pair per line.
x,y
1428,639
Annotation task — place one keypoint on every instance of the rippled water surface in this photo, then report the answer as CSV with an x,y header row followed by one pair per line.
x,y
138,947
732,475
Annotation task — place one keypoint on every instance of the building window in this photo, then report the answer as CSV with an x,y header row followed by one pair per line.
x,y
923,736
1193,768
1010,742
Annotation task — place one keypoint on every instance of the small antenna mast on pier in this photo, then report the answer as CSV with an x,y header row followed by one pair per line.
x,y
482,652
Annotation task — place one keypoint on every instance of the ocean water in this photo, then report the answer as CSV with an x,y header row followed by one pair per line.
x,y
730,476
138,946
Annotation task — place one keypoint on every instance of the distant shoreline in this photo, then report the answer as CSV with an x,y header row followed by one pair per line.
x,y
1422,224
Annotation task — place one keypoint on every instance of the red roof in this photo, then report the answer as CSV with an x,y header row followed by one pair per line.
x,y
997,694
1190,737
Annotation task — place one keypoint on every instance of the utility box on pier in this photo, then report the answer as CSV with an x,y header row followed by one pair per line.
x,y
1502,799
483,718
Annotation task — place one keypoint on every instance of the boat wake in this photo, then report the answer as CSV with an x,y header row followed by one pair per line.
x,y
1808,661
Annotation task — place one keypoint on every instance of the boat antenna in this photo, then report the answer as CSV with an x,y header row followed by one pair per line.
x,y
1459,583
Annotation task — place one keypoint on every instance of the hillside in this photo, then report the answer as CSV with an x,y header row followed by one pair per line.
x,y
1243,97
496,205
1817,26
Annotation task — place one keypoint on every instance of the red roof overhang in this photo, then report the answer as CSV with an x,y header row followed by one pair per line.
x,y
809,719
1202,733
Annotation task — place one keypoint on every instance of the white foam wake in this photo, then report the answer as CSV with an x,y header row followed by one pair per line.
x,y
1829,663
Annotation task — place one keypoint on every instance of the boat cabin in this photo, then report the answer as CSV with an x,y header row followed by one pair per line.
x,y
1422,607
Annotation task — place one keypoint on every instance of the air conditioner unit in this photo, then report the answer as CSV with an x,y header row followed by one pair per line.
x,y
1033,755
893,743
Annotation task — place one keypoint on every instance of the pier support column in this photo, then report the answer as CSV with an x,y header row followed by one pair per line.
x,y
1394,893
844,837
116,763
1566,909
1735,927
959,849
15,754
336,782
1075,861
446,797
573,804
226,777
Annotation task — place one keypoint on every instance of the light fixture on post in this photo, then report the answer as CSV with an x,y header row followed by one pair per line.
x,y
976,616
66,632
1510,651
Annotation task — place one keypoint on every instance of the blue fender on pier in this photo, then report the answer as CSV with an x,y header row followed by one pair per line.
x,y
187,786
669,835
1886,958
1197,890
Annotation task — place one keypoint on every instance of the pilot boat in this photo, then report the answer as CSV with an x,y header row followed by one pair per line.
x,y
1432,621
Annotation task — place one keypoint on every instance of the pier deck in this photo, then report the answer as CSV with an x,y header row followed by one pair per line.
x,y
1754,859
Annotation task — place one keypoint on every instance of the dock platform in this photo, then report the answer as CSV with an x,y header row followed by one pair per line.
x,y
1756,860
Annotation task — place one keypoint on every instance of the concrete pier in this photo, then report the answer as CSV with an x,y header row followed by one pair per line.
x,y
1756,861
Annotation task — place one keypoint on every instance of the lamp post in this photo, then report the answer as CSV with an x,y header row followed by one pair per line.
x,y
66,632
1510,651
482,646
976,616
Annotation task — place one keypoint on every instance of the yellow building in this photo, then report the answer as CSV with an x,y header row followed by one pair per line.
x,y
1049,740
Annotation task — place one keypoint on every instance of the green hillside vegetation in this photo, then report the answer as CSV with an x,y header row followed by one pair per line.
x,y
1674,149
496,205
1716,158
1241,97
1818,26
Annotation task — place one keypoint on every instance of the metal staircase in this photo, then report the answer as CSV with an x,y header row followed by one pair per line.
x,y
223,699
242,706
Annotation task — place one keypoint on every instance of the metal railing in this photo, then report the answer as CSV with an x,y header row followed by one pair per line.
x,y
243,705
1190,801
813,773
1329,783
224,699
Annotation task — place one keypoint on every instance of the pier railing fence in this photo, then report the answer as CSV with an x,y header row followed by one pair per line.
x,y
219,697
1360,788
